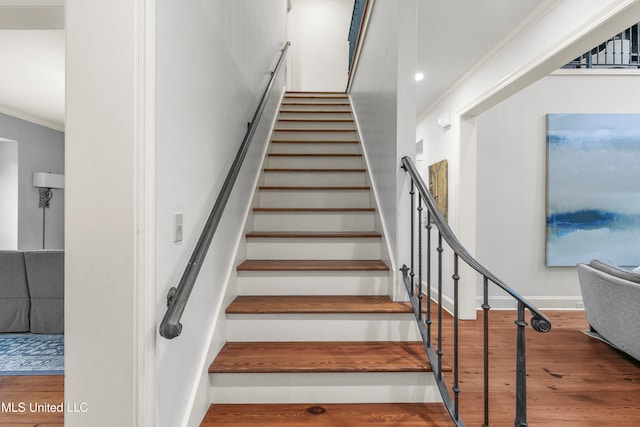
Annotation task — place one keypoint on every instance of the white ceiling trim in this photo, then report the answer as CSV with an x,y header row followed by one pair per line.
x,y
614,18
32,17
540,11
31,118
31,3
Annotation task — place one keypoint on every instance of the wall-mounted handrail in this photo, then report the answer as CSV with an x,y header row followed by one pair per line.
x,y
539,321
359,18
177,298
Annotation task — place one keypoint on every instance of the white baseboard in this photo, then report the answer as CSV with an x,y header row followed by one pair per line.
x,y
508,303
541,302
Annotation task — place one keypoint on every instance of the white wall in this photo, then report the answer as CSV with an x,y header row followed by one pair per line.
x,y
383,99
565,32
214,61
105,254
9,194
318,31
511,179
159,126
40,149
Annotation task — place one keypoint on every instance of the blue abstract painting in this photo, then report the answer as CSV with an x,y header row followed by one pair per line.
x,y
593,188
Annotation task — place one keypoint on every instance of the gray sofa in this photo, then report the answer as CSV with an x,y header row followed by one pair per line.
x,y
32,291
611,298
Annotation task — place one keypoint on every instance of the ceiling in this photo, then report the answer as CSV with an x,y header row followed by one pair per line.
x,y
32,42
453,36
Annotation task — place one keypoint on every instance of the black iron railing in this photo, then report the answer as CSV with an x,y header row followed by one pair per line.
x,y
423,311
620,51
177,299
357,17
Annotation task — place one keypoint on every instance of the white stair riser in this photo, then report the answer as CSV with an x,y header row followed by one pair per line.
x,y
304,106
313,248
313,283
356,387
313,221
310,135
322,327
315,148
317,100
314,178
319,114
314,199
315,162
315,123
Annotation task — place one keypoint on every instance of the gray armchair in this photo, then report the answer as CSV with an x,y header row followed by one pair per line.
x,y
612,304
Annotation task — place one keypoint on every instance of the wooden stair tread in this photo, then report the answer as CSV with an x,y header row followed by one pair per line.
x,y
331,356
314,155
316,141
313,304
311,120
313,188
301,94
313,130
323,104
312,170
313,265
284,110
328,415
325,210
312,94
313,234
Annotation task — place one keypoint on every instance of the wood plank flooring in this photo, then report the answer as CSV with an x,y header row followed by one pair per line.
x,y
31,390
574,380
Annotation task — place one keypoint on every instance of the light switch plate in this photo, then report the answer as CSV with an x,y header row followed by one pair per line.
x,y
177,227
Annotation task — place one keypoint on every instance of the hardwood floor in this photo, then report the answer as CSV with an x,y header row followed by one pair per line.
x,y
574,380
28,401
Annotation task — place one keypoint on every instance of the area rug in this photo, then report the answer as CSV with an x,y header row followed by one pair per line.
x,y
31,354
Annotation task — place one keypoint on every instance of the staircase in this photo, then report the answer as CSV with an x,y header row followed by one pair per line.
x,y
313,337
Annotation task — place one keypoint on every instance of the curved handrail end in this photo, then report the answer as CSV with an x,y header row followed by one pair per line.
x,y
170,330
539,323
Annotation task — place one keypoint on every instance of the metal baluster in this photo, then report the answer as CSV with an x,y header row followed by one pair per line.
x,y
637,51
429,321
486,307
456,388
412,274
521,370
419,257
439,352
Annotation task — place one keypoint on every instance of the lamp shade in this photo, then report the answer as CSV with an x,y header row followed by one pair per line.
x,y
48,180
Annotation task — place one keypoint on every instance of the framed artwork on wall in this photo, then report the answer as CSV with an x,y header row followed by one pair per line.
x,y
593,188
439,186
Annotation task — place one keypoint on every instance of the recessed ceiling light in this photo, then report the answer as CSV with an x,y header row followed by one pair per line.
x,y
418,76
